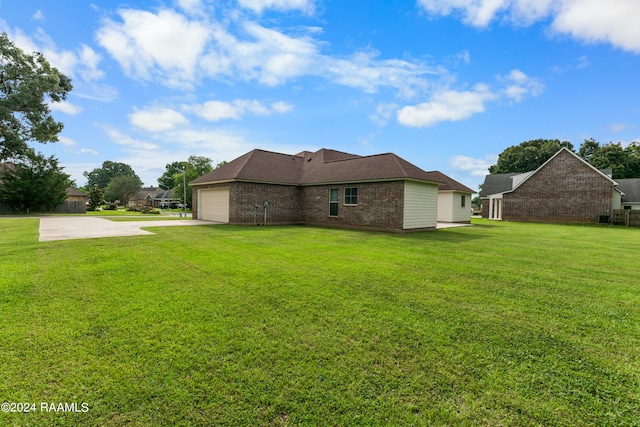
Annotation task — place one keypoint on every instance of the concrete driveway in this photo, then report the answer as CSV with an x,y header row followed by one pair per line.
x,y
75,227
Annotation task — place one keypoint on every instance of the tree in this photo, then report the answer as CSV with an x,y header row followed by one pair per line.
x,y
96,198
528,156
623,161
102,176
28,83
34,184
196,166
122,187
166,181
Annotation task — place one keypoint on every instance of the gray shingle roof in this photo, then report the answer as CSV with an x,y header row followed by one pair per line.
x,y
631,189
497,183
323,166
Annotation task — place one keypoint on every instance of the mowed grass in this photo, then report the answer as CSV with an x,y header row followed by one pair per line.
x,y
498,324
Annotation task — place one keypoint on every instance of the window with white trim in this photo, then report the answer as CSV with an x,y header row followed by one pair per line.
x,y
333,202
350,196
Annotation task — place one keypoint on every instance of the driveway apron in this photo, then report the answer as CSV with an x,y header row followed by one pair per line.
x,y
73,227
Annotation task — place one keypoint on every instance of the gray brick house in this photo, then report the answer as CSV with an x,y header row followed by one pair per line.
x,y
327,188
564,189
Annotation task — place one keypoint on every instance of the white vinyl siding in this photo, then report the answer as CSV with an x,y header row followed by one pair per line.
x,y
420,205
450,207
213,204
616,203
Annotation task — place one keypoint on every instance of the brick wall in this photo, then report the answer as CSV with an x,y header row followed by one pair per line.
x,y
283,203
380,206
565,190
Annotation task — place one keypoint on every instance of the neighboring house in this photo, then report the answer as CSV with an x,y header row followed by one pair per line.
x,y
75,202
152,196
564,189
327,188
631,189
454,200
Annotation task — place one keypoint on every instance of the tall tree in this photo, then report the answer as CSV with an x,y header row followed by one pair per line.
x,y
623,161
121,188
166,181
35,183
196,166
528,156
102,176
28,83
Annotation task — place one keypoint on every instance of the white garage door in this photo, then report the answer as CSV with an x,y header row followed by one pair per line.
x,y
213,204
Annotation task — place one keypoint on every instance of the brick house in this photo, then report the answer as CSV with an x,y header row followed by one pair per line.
x,y
564,189
326,188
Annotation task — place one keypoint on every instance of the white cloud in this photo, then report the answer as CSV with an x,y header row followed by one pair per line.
x,y
39,16
214,111
157,119
193,7
519,86
131,143
88,151
271,57
364,71
66,141
165,45
448,105
473,166
383,113
281,107
453,105
83,62
259,6
65,107
612,21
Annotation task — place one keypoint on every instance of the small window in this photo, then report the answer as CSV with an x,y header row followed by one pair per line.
x,y
351,196
333,202
463,201
627,207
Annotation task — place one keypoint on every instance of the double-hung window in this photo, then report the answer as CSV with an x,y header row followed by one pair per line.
x,y
333,202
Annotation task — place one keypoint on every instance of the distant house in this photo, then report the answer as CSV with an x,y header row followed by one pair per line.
x,y
153,196
564,189
631,189
75,202
327,188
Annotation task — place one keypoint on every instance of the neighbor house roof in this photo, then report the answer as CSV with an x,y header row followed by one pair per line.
x,y
631,189
497,183
74,192
323,166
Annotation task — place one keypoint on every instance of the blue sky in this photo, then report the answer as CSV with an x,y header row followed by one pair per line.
x,y
445,84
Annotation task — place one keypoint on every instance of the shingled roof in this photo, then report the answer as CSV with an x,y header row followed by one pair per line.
x,y
631,189
451,184
497,183
322,167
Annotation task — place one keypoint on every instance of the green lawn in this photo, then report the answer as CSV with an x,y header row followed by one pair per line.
x,y
497,324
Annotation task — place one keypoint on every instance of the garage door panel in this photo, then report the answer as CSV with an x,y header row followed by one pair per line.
x,y
214,204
